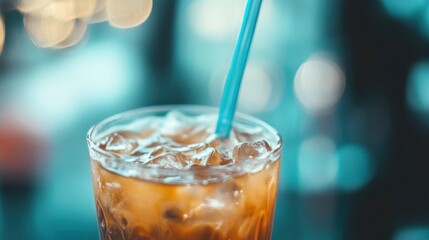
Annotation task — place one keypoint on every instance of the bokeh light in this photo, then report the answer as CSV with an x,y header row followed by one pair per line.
x,y
100,13
355,168
260,91
256,90
415,12
215,19
66,10
2,34
75,36
27,6
317,164
61,24
412,233
47,31
319,84
84,8
128,13
17,129
424,23
404,9
60,10
418,87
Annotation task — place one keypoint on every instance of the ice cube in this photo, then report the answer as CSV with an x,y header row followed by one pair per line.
x,y
168,160
223,145
140,151
210,210
244,133
174,122
148,141
119,144
188,150
202,155
213,140
130,135
154,141
211,157
215,158
258,149
157,151
214,203
201,158
183,129
226,160
248,133
115,193
231,192
197,133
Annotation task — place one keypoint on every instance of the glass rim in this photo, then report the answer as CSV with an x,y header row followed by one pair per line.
x,y
200,109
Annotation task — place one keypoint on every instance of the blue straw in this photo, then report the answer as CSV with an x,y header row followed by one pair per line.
x,y
235,75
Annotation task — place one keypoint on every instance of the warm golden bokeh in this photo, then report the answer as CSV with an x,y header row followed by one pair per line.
x,y
2,34
26,6
75,35
47,31
100,13
63,23
128,13
61,10
84,8
99,16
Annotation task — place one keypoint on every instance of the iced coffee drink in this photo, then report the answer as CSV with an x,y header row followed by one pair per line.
x,y
162,173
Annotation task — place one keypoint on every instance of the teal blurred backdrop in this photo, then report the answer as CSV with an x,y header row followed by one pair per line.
x,y
346,83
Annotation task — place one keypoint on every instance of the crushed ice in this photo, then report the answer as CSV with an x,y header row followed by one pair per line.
x,y
181,142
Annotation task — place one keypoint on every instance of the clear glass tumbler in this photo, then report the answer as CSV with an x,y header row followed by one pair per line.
x,y
142,201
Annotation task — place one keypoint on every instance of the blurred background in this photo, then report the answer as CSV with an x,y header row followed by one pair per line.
x,y
346,83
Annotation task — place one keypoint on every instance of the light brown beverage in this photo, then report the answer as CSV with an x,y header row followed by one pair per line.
x,y
169,177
